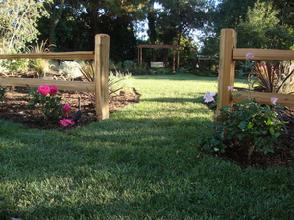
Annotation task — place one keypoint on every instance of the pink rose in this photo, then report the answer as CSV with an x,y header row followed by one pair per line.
x,y
66,122
53,90
66,108
44,90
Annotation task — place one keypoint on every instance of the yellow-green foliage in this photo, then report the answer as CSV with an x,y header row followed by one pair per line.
x,y
40,65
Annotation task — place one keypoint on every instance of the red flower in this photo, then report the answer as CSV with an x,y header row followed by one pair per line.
x,y
53,90
66,122
66,108
44,90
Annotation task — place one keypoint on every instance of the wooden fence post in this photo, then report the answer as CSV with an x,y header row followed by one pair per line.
x,y
102,45
226,68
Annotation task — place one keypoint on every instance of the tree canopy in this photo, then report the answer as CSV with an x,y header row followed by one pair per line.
x,y
72,24
18,22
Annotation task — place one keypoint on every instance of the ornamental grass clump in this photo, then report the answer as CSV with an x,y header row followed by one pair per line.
x,y
246,128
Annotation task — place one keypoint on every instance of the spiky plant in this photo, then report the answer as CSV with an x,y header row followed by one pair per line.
x,y
40,65
115,82
274,77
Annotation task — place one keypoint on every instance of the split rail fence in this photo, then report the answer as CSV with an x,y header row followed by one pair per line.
x,y
101,68
229,53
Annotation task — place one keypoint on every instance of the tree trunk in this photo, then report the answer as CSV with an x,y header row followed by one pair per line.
x,y
54,21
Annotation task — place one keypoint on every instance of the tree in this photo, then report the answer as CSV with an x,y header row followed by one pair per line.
x,y
229,13
261,23
262,28
73,24
179,18
18,22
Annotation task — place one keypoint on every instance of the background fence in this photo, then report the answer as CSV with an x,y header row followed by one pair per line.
x,y
101,68
228,55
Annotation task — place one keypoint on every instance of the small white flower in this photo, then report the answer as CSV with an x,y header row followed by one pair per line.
x,y
274,100
209,97
230,88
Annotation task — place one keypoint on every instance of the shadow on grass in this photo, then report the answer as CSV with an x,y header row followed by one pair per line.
x,y
126,150
129,168
177,77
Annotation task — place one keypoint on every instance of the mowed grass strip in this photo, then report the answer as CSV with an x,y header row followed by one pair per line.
x,y
143,163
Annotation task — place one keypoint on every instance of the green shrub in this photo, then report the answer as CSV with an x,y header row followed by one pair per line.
x,y
129,65
161,71
2,94
12,66
246,127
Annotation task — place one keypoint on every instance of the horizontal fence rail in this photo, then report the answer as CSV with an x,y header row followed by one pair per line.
x,y
263,54
61,84
263,97
99,87
228,55
79,55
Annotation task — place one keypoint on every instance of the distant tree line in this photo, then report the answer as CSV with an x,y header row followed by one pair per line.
x,y
72,24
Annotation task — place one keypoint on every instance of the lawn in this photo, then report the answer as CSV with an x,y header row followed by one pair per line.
x,y
143,163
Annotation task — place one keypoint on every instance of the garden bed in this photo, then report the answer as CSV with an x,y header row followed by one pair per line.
x,y
284,154
15,107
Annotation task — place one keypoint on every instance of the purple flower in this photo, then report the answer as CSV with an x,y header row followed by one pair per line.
x,y
274,100
249,56
230,88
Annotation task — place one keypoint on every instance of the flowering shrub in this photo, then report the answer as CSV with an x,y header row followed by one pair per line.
x,y
46,98
246,127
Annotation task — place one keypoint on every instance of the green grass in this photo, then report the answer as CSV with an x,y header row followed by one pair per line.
x,y
143,163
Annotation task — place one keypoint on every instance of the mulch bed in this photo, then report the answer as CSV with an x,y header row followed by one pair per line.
x,y
15,107
284,154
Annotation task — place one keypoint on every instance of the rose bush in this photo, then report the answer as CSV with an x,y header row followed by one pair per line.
x,y
49,102
46,98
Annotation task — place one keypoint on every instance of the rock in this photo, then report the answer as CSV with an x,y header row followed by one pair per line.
x,y
71,69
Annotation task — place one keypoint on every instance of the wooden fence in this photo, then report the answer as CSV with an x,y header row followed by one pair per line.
x,y
228,55
99,86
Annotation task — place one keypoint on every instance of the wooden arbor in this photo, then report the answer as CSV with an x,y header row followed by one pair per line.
x,y
174,48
